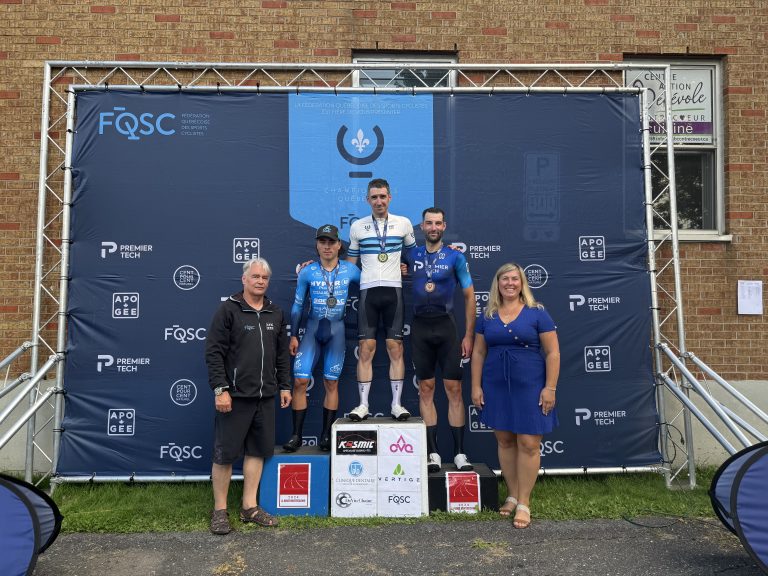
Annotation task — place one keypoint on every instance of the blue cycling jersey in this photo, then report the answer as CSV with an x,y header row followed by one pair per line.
x,y
316,281
325,324
448,267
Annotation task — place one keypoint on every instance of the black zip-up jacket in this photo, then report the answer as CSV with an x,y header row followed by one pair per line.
x,y
247,349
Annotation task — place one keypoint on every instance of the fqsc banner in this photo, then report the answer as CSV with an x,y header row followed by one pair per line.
x,y
174,191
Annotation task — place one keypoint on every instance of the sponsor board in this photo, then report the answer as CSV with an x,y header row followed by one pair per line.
x,y
463,492
399,504
294,485
359,441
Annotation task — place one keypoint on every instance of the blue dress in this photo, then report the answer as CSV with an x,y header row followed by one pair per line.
x,y
514,372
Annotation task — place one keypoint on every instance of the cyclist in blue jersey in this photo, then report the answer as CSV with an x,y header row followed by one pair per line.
x,y
327,283
437,270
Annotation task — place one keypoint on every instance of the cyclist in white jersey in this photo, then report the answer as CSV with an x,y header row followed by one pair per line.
x,y
377,241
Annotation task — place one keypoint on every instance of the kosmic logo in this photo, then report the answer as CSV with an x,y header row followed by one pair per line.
x,y
121,364
597,358
125,251
244,249
184,335
598,417
537,275
591,248
183,392
134,126
481,301
592,303
186,277
180,453
121,421
125,305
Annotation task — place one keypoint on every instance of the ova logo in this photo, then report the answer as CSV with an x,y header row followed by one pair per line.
x,y
134,127
121,421
582,415
401,446
125,305
244,249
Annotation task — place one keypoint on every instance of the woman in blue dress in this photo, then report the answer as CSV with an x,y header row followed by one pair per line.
x,y
515,366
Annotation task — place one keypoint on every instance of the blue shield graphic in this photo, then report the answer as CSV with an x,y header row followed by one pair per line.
x,y
338,143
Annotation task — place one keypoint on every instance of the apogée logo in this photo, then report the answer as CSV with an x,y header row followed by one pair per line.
x,y
244,249
591,248
597,358
125,305
121,421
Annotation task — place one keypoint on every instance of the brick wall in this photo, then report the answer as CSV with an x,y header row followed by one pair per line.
x,y
490,31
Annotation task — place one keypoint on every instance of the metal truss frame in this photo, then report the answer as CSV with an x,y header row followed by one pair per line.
x,y
62,80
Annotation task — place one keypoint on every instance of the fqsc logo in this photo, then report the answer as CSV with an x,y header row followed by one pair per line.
x,y
133,126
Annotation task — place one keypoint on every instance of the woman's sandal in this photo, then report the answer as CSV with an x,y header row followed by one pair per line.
x,y
509,506
521,522
258,515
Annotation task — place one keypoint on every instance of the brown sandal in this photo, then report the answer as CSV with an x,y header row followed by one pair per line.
x,y
522,521
220,522
259,516
509,506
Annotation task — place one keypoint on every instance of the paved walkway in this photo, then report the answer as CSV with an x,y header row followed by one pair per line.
x,y
601,547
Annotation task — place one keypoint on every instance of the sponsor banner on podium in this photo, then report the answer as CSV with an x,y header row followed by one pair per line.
x,y
293,485
463,492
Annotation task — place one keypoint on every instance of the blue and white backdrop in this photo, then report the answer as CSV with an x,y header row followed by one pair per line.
x,y
173,191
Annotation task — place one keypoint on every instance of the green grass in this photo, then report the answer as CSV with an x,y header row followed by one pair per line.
x,y
185,507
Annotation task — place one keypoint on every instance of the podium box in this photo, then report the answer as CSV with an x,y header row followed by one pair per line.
x,y
489,487
379,468
296,483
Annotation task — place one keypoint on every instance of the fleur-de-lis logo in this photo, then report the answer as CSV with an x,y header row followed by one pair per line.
x,y
360,142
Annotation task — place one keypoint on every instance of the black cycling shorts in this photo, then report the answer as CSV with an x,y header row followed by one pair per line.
x,y
380,304
434,341
248,429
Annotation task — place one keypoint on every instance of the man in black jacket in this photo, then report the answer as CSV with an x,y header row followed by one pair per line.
x,y
248,362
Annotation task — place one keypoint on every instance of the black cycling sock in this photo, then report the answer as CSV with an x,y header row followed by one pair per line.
x,y
329,417
431,439
458,439
298,421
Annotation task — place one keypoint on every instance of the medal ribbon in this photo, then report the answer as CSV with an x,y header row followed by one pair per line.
x,y
382,238
428,267
330,281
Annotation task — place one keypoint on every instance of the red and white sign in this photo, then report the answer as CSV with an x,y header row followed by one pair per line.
x,y
293,485
463,492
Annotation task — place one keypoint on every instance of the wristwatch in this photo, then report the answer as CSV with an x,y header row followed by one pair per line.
x,y
220,390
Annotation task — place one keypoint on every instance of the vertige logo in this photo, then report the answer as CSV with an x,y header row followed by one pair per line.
x,y
186,277
401,446
598,417
537,275
594,303
244,249
125,305
121,421
183,392
122,364
597,358
180,453
127,251
134,127
184,335
591,248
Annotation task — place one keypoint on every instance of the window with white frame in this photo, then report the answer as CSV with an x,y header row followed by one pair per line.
x,y
697,112
406,74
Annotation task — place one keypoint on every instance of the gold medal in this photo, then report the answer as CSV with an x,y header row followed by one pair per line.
x,y
383,257
429,286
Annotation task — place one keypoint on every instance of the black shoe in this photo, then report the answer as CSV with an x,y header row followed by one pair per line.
x,y
325,443
293,444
